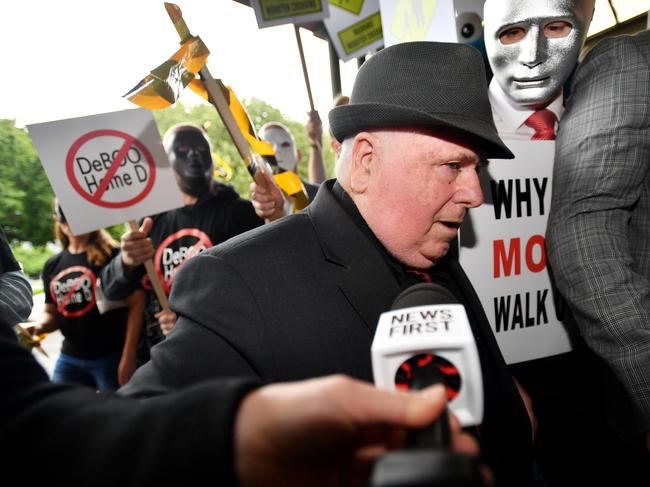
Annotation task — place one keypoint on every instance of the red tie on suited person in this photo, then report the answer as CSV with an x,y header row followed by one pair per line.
x,y
543,123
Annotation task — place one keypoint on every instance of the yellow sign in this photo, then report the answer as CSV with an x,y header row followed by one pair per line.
x,y
352,6
412,19
276,9
361,34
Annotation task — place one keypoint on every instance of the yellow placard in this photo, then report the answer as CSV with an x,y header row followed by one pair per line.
x,y
361,34
352,6
277,9
411,20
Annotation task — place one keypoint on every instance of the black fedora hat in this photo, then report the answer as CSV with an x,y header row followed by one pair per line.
x,y
423,84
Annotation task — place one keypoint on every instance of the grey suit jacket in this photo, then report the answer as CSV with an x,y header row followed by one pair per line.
x,y
598,235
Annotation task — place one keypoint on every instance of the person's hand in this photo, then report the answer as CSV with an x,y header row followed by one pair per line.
x,y
314,128
268,204
136,246
166,320
328,431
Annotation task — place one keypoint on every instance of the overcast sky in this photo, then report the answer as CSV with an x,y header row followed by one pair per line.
x,y
71,58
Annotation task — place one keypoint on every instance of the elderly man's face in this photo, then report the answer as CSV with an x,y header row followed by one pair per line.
x,y
419,190
533,45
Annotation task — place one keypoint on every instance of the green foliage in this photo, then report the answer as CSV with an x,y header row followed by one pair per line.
x,y
32,258
260,112
26,212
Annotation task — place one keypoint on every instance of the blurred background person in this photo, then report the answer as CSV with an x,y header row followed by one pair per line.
x,y
98,349
15,291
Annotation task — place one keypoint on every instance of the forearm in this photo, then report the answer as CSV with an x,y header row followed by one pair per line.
x,y
119,280
15,298
316,166
597,231
135,319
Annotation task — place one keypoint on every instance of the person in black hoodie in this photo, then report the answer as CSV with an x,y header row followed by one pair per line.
x,y
212,214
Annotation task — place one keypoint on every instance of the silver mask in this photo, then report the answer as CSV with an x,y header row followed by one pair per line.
x,y
533,45
282,141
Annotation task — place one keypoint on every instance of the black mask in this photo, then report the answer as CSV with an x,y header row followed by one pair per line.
x,y
191,159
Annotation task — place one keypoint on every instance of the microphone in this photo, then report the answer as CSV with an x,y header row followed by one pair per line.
x,y
423,340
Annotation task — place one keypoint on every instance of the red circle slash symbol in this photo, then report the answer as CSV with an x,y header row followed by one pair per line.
x,y
97,196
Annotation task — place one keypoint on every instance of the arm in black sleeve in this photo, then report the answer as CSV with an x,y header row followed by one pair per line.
x,y
68,434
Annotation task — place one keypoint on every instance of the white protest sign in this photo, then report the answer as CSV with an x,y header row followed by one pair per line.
x,y
354,27
502,250
275,12
106,169
413,20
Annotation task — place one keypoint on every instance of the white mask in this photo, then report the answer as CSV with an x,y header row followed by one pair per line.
x,y
282,141
533,45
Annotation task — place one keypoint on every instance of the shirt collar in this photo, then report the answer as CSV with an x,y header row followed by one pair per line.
x,y
512,115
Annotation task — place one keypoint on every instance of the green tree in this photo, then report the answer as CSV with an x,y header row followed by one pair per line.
x,y
260,112
26,211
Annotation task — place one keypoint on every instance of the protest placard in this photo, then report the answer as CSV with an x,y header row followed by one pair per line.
x,y
502,250
276,12
106,169
354,27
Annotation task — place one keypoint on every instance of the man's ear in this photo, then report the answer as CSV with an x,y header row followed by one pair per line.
x,y
298,156
364,154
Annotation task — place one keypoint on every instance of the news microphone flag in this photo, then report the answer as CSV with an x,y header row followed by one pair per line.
x,y
426,338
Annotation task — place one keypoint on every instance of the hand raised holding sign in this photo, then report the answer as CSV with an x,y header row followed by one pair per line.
x,y
136,245
137,249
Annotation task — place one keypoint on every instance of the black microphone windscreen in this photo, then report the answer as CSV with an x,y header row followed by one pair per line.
x,y
423,294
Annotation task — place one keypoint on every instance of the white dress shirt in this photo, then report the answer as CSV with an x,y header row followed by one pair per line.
x,y
509,117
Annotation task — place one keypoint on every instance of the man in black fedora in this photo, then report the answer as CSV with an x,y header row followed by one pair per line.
x,y
301,297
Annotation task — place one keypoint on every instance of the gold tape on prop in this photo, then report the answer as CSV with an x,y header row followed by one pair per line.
x,y
222,170
238,111
290,183
163,85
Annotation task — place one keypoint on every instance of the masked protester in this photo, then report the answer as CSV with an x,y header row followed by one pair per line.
x,y
213,213
273,204
532,47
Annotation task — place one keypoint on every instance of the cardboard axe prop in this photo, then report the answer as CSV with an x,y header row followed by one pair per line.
x,y
162,87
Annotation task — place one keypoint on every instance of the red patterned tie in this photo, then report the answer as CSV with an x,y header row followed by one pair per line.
x,y
543,123
422,276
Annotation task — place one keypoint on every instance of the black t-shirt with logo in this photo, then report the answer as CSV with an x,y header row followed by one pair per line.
x,y
69,283
182,233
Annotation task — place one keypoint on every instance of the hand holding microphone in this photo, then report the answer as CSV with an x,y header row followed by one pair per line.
x,y
426,339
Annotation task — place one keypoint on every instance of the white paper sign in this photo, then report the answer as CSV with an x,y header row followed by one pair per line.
x,y
106,169
354,27
277,12
413,20
502,250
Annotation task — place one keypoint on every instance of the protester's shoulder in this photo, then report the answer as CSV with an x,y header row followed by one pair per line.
x,y
224,192
621,48
52,263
